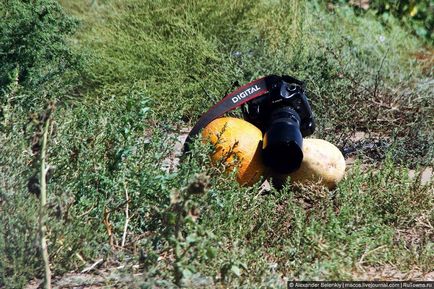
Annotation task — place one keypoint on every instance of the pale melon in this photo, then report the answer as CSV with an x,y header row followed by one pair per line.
x,y
322,162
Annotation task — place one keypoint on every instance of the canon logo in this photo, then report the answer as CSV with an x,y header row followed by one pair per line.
x,y
245,93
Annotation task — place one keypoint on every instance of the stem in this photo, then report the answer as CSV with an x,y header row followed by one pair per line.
x,y
127,217
42,212
178,235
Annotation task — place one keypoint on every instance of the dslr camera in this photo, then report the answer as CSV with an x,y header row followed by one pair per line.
x,y
279,107
284,116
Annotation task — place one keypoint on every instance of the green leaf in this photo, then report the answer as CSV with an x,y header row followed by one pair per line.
x,y
421,31
242,265
236,270
171,218
186,273
178,250
211,252
191,239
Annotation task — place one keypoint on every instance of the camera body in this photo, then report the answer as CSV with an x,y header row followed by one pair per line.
x,y
285,117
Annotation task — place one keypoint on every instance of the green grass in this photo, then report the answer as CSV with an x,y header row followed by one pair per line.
x,y
171,55
146,66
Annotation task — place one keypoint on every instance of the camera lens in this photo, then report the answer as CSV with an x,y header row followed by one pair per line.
x,y
282,143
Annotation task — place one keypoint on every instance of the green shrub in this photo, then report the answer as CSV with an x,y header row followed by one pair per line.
x,y
416,16
34,52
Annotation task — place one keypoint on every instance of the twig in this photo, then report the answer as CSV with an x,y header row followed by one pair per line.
x,y
93,266
79,257
369,252
42,207
85,213
201,86
127,217
377,76
108,226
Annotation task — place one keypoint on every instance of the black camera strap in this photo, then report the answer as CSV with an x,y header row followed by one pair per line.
x,y
231,101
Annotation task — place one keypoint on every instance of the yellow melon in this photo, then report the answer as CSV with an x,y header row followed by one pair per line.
x,y
238,145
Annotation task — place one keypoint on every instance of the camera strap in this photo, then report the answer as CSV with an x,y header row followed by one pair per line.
x,y
231,101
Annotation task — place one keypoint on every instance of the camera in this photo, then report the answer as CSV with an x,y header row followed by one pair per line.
x,y
285,117
279,107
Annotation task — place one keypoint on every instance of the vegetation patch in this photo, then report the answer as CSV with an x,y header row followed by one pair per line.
x,y
123,78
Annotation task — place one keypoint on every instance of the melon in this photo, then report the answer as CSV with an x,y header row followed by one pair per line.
x,y
237,144
322,163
